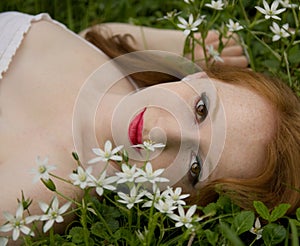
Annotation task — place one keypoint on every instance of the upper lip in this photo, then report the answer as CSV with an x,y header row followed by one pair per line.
x,y
136,127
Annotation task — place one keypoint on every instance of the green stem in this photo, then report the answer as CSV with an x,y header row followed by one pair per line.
x,y
67,198
296,18
103,220
203,45
275,54
193,48
252,242
139,213
130,218
83,222
287,68
60,178
211,23
151,226
244,11
51,237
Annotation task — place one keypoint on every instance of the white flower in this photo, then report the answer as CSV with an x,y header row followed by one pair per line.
x,y
107,154
104,183
214,54
176,195
279,32
17,223
165,206
149,175
287,4
270,12
82,178
42,170
184,219
170,15
3,241
131,199
128,174
52,213
217,5
142,236
188,1
190,25
153,198
149,145
257,230
234,26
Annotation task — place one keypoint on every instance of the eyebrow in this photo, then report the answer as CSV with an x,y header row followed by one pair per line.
x,y
215,101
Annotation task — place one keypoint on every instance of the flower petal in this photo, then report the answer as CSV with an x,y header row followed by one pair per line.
x,y
48,225
107,146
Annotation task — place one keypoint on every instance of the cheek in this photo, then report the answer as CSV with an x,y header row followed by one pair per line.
x,y
245,161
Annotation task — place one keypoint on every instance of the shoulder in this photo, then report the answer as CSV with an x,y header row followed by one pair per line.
x,y
49,45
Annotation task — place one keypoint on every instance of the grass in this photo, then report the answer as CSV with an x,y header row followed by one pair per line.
x,y
79,14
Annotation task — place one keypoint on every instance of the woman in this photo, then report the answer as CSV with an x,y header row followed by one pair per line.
x,y
49,68
259,159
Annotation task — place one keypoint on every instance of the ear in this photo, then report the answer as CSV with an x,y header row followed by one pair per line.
x,y
199,75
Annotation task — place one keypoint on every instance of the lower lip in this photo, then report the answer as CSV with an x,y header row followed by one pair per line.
x,y
135,128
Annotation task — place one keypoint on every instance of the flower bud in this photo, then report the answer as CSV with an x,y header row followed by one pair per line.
x,y
49,184
125,156
75,156
25,202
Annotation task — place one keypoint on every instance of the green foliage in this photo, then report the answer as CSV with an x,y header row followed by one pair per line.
x,y
273,234
104,221
277,213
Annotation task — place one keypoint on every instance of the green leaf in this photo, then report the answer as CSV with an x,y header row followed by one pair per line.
x,y
77,235
211,209
111,212
113,224
294,55
298,214
230,234
262,210
243,222
294,232
273,234
212,237
271,64
226,205
98,230
124,233
279,211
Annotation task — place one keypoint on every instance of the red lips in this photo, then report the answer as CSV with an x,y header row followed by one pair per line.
x,y
135,128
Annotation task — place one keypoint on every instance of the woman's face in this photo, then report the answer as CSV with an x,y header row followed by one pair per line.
x,y
211,129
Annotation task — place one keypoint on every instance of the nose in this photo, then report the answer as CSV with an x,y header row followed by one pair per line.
x,y
161,126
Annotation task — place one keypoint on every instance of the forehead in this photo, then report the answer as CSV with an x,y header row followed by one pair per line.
x,y
246,111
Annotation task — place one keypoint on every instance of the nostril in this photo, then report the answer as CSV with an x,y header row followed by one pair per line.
x,y
158,135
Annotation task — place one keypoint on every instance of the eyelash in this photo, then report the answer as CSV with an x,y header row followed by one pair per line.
x,y
195,169
201,108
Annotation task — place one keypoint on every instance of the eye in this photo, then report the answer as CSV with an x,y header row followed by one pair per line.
x,y
201,108
195,169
